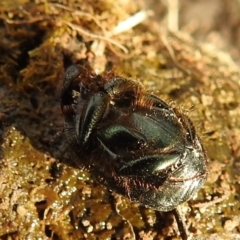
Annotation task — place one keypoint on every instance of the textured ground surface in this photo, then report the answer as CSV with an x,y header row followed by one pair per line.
x,y
42,194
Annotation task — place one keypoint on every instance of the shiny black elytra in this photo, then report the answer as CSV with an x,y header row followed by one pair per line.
x,y
131,140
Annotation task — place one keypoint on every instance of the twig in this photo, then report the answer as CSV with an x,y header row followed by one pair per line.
x,y
173,15
131,22
95,36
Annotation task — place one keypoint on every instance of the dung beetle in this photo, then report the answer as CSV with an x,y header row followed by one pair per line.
x,y
130,140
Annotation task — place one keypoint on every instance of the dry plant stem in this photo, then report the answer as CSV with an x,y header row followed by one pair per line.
x,y
173,6
94,36
181,224
123,26
213,202
28,21
172,54
131,22
81,14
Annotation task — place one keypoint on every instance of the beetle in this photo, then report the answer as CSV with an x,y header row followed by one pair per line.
x,y
132,141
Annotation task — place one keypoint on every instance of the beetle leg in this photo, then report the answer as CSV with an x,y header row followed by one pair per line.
x,y
181,224
112,155
119,85
156,102
123,92
91,114
123,137
71,73
66,95
149,101
154,163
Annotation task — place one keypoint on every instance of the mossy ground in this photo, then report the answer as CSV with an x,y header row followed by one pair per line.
x,y
42,194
